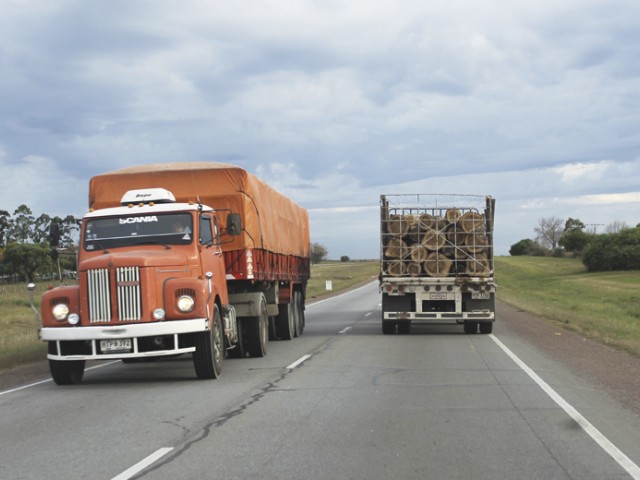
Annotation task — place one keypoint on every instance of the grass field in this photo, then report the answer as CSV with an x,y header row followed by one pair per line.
x,y
604,306
341,274
19,341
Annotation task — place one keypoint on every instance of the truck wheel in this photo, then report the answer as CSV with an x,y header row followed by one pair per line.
x,y
404,328
286,321
470,327
209,354
388,327
486,327
258,331
65,372
298,311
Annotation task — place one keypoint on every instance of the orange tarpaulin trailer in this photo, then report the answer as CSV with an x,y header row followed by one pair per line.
x,y
271,221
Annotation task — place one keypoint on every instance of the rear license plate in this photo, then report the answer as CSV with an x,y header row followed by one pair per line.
x,y
481,295
116,345
438,296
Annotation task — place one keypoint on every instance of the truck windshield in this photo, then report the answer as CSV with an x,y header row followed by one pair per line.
x,y
113,232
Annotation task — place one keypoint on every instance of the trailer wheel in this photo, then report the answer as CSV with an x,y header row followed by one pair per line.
x,y
210,351
287,321
298,312
470,327
404,328
65,372
388,327
257,330
486,327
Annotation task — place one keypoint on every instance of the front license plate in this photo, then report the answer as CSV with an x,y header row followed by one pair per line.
x,y
481,295
116,345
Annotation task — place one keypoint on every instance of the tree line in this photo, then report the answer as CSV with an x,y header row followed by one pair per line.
x,y
616,249
31,246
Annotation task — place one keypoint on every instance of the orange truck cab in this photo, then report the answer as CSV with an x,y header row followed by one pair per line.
x,y
161,277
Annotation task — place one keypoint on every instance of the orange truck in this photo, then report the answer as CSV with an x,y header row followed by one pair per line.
x,y
176,258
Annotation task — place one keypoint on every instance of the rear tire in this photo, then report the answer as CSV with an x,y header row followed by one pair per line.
x,y
257,330
388,327
470,327
286,321
210,351
298,306
65,372
486,327
404,328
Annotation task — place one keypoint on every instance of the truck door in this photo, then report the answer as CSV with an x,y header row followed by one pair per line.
x,y
211,253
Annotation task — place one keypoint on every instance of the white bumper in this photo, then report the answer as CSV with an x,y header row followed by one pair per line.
x,y
94,334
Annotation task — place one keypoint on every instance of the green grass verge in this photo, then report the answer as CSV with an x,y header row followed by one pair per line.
x,y
19,343
342,275
604,306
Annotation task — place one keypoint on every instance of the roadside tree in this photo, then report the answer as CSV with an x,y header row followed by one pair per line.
x,y
318,252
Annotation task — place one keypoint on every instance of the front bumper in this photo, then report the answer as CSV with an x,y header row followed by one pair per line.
x,y
92,335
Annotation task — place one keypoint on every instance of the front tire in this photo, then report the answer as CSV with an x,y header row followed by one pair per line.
x,y
65,372
210,351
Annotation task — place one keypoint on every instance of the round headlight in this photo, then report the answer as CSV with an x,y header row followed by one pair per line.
x,y
158,314
73,319
60,311
185,303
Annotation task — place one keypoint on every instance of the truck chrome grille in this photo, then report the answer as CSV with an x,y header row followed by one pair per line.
x,y
127,289
99,295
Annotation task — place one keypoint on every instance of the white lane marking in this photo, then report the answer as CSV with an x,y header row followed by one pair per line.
x,y
298,362
342,294
141,465
368,314
50,380
345,330
613,451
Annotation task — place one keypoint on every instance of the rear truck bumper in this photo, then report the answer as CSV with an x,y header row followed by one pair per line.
x,y
156,339
439,317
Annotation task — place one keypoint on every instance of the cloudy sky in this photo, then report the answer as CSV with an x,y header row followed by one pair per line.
x,y
333,102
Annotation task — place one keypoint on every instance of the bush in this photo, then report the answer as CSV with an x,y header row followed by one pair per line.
x,y
521,248
614,251
527,247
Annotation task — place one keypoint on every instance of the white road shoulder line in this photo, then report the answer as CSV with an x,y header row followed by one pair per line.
x,y
613,451
344,330
141,465
348,292
298,362
51,380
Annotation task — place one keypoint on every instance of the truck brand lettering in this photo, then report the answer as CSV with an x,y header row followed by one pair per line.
x,y
147,219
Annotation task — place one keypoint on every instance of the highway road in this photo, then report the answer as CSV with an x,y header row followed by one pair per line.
x,y
341,402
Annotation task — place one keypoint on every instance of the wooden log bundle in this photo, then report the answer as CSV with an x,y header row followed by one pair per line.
x,y
437,243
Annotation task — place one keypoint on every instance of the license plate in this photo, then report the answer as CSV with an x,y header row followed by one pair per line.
x,y
481,295
438,296
116,345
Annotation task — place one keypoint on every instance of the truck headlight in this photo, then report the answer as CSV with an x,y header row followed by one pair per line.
x,y
185,303
60,312
73,319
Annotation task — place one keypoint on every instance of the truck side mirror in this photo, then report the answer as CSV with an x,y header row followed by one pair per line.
x,y
234,224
